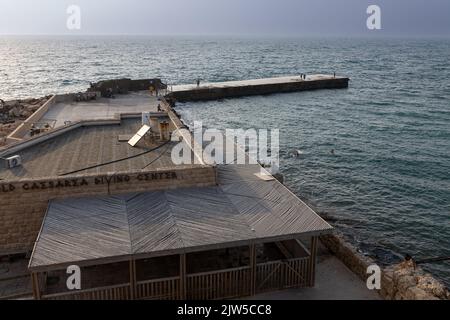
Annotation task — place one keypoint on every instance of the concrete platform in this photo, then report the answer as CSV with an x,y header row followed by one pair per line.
x,y
253,82
231,89
103,108
334,281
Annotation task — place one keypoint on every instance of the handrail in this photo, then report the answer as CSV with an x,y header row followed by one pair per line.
x,y
72,293
18,296
157,280
245,267
217,271
17,276
282,261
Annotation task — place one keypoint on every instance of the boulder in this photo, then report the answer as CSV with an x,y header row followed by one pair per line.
x,y
415,293
429,284
25,113
11,104
14,112
406,282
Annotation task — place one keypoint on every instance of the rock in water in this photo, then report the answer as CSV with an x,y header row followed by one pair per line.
x,y
279,177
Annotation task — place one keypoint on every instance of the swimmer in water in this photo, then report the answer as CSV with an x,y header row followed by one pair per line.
x,y
295,153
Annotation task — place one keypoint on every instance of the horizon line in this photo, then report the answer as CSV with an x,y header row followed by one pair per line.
x,y
273,35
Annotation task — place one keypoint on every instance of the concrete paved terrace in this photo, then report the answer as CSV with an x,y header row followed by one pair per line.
x,y
334,281
103,108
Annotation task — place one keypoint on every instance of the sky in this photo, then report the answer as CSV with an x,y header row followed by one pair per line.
x,y
226,17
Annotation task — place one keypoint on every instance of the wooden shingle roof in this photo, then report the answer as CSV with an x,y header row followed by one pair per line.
x,y
241,210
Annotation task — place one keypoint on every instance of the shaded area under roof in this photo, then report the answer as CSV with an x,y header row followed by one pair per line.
x,y
242,209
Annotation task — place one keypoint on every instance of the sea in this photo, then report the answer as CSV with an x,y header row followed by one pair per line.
x,y
374,159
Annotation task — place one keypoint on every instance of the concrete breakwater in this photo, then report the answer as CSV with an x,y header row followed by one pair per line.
x,y
235,89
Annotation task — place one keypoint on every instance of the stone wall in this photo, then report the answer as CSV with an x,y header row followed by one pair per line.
x,y
24,128
123,86
348,254
23,203
404,281
13,112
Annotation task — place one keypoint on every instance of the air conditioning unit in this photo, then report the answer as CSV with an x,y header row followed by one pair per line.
x,y
13,162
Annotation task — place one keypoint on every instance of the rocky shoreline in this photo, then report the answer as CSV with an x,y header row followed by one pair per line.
x,y
14,112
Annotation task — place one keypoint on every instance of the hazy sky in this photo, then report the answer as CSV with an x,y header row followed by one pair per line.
x,y
263,17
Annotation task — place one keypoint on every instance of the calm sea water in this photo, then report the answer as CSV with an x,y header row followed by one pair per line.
x,y
387,187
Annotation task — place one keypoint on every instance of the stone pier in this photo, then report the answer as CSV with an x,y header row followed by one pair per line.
x,y
235,89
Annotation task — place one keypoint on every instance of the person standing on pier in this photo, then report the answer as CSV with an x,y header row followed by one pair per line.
x,y
198,83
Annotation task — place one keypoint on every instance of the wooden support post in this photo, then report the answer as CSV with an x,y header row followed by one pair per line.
x,y
312,261
252,269
284,250
183,276
133,279
35,284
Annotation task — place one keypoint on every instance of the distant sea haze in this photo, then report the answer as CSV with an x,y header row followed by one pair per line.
x,y
387,184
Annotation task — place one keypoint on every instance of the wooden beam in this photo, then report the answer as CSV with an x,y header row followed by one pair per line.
x,y
133,279
35,284
312,261
252,249
183,276
303,246
284,250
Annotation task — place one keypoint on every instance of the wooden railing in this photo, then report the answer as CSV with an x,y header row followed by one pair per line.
x,y
282,274
119,292
296,273
269,276
15,293
159,289
222,284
